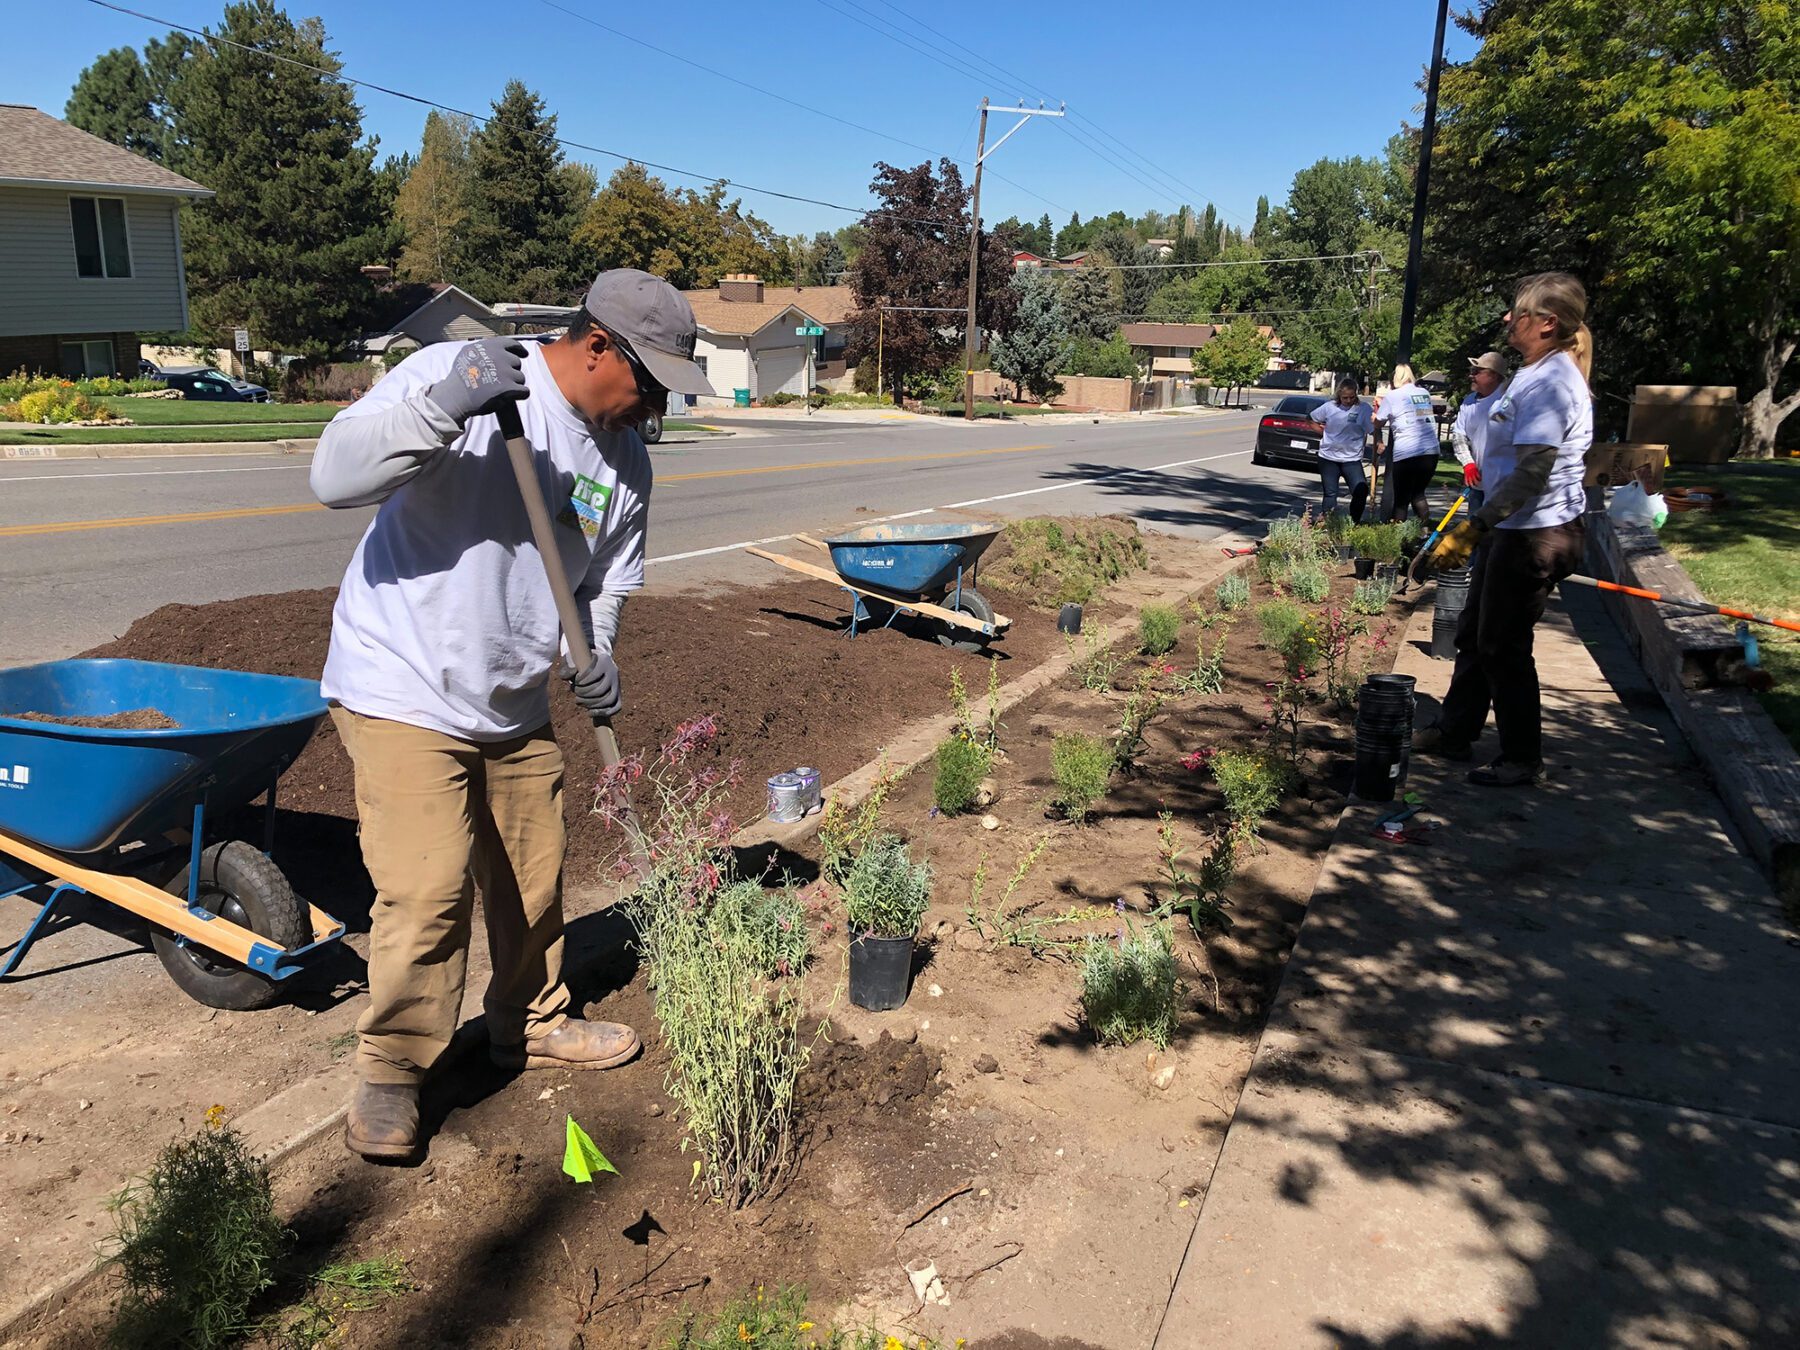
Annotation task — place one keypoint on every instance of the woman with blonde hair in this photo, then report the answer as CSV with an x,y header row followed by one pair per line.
x,y
1406,407
1529,531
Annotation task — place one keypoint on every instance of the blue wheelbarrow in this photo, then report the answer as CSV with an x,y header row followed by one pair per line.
x,y
106,783
927,570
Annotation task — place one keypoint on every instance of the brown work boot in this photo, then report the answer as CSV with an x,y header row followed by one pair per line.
x,y
1431,741
574,1044
383,1120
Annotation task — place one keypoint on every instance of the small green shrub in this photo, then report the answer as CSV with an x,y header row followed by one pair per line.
x,y
1274,567
1158,628
1208,674
197,1239
843,831
1082,767
961,765
1278,620
1234,592
1093,663
1129,992
1309,582
769,925
1252,783
1199,895
1143,704
1372,596
886,893
1380,542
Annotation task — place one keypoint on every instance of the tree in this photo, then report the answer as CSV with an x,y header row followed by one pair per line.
x,y
1649,150
297,212
1110,359
1070,239
1089,305
688,238
1236,356
915,255
1261,227
1031,352
111,100
523,207
1043,238
432,206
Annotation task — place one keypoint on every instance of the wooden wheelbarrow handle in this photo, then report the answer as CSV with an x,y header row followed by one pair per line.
x,y
543,534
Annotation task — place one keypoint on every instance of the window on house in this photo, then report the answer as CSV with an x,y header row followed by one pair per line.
x,y
102,246
85,360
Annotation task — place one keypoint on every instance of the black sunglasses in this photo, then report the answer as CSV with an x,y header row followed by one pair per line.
x,y
650,389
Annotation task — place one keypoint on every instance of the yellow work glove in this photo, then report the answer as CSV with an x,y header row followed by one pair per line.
x,y
1452,549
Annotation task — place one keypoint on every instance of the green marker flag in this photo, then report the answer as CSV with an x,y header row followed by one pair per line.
x,y
582,1157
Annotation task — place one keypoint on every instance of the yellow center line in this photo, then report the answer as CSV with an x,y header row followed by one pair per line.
x,y
188,517
843,463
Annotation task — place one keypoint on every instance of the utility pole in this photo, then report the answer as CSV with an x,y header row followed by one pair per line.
x,y
1415,245
981,154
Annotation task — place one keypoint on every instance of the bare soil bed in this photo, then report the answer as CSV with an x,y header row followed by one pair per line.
x,y
132,719
1052,1182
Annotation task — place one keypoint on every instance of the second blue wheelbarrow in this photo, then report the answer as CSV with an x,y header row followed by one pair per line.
x,y
925,570
109,771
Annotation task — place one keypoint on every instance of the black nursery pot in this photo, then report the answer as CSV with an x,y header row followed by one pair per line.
x,y
880,972
1365,568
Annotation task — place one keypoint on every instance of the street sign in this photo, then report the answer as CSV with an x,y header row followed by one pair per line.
x,y
809,330
241,339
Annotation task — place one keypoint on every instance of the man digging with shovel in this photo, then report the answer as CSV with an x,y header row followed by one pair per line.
x,y
442,643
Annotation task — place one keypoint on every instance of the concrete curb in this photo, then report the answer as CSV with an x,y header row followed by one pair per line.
x,y
155,449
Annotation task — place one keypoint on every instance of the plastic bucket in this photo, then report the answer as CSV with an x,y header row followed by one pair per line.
x,y
1069,619
1447,608
1384,719
1365,568
880,971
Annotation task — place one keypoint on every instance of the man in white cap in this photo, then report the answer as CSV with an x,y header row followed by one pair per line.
x,y
442,643
1468,436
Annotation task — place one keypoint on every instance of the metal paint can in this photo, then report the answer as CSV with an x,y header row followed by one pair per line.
x,y
810,789
787,798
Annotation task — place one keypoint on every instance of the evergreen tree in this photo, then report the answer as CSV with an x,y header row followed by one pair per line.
x,y
516,245
111,100
1043,238
297,211
432,206
1260,229
1089,307
1031,352
1070,239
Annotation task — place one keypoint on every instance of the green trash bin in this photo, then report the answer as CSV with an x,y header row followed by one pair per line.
x,y
741,397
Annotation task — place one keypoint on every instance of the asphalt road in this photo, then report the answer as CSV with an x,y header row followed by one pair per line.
x,y
86,546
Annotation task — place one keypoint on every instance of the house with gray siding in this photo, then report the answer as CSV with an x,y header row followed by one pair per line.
x,y
90,248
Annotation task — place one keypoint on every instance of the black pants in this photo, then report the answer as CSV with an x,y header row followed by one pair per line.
x,y
1412,476
1515,571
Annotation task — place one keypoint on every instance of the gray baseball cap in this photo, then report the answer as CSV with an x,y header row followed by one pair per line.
x,y
653,317
1492,362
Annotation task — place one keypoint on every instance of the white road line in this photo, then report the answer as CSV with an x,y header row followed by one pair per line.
x,y
953,506
141,473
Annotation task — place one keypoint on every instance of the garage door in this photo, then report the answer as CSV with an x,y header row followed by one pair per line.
x,y
780,370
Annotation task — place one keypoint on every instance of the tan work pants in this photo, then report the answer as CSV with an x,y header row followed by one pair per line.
x,y
439,816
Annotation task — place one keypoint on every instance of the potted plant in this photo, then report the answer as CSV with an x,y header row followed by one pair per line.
x,y
1363,541
885,895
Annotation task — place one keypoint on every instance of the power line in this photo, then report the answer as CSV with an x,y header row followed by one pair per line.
x,y
563,141
770,93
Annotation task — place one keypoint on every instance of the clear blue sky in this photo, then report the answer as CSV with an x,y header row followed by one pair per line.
x,y
1218,102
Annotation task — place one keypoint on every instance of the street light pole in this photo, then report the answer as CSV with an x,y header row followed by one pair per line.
x,y
981,154
1415,245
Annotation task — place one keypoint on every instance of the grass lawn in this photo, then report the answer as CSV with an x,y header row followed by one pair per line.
x,y
169,412
264,431
1748,556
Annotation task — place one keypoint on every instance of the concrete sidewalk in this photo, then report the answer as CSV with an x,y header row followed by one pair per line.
x,y
1533,1082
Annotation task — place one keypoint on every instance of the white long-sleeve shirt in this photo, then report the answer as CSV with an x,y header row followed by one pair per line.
x,y
445,618
1468,434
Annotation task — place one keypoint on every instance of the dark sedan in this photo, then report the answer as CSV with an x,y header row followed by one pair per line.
x,y
200,382
1287,436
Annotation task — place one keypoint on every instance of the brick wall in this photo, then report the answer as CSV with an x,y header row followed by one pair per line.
x,y
1079,391
42,352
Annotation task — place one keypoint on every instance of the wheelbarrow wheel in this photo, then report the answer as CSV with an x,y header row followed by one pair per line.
x,y
240,884
973,603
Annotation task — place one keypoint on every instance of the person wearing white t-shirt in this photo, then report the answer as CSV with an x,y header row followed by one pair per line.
x,y
1526,537
1406,408
1347,423
1468,436
443,639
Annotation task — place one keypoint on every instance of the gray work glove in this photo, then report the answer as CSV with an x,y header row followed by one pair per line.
x,y
486,374
596,689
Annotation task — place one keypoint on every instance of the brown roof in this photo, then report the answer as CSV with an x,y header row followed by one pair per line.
x,y
36,148
1168,334
827,304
